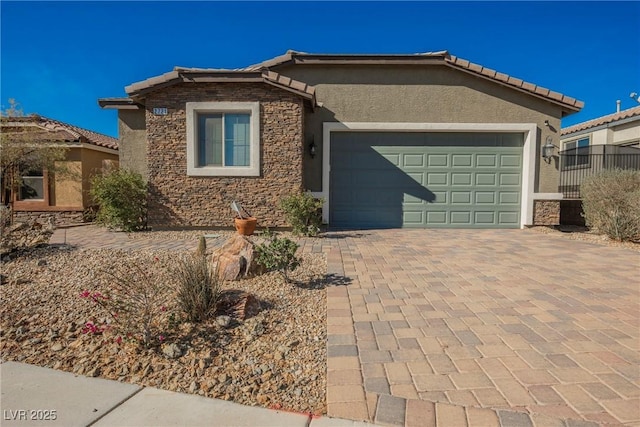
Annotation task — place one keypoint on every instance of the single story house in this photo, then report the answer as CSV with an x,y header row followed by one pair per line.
x,y
63,196
402,140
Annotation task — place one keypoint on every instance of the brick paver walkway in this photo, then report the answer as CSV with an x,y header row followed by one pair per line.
x,y
482,328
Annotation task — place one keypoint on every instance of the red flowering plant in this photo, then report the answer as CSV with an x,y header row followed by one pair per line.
x,y
135,302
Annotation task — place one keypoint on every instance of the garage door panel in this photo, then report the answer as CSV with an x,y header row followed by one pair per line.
x,y
462,179
510,179
461,160
510,161
437,178
486,179
509,218
413,217
461,197
509,198
461,217
485,197
425,180
486,160
485,218
413,160
438,160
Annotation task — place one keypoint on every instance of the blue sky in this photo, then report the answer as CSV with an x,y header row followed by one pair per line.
x,y
58,58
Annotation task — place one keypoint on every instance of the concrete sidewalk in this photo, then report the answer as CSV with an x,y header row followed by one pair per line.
x,y
32,395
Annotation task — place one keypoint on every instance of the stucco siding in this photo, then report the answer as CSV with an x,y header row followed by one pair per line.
x,y
132,135
431,94
92,164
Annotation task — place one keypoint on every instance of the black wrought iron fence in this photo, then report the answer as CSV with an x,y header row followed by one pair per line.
x,y
578,164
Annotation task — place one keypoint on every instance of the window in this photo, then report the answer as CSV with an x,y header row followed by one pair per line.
x,y
576,153
223,139
32,185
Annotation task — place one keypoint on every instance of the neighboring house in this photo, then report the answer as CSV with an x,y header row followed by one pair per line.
x,y
64,196
422,140
607,142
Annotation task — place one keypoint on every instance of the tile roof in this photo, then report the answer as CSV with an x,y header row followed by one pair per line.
x,y
442,56
266,71
54,130
610,118
183,74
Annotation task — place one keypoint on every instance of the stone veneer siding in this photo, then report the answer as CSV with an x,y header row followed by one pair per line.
x,y
546,212
178,200
59,217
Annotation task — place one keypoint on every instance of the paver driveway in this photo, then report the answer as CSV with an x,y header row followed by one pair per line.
x,y
482,327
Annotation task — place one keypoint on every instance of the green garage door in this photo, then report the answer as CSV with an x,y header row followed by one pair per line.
x,y
410,179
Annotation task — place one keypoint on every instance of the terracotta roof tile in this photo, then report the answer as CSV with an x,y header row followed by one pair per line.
x,y
182,74
54,130
599,121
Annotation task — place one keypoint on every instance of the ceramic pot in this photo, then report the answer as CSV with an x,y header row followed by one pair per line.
x,y
246,227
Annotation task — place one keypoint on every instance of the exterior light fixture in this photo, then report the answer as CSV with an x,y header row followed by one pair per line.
x,y
547,150
312,149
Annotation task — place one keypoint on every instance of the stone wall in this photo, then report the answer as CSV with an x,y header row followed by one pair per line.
x,y
59,217
178,200
546,212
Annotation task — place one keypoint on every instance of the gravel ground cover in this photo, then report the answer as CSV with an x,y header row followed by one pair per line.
x,y
274,359
584,234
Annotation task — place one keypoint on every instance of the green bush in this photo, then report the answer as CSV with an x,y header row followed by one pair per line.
x,y
611,203
278,255
303,212
198,287
122,199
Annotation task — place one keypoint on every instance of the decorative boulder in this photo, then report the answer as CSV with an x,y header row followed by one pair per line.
x,y
238,304
235,259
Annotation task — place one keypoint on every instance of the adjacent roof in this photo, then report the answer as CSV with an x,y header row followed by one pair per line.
x,y
182,74
604,120
57,131
266,72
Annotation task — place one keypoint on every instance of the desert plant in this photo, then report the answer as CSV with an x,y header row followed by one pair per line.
x,y
198,287
611,203
122,199
134,301
303,212
201,250
278,255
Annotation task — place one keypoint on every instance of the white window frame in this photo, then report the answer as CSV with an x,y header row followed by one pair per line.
x,y
195,108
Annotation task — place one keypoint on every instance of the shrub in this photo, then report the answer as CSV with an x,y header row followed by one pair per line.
x,y
278,255
303,212
134,301
122,199
198,287
611,203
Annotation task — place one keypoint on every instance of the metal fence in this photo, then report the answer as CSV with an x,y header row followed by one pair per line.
x,y
579,163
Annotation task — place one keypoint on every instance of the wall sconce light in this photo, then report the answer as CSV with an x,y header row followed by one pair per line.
x,y
312,149
547,150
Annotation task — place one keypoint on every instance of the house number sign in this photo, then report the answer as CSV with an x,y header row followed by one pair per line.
x,y
160,111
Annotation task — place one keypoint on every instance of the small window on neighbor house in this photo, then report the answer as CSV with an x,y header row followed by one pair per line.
x,y
32,185
576,153
223,139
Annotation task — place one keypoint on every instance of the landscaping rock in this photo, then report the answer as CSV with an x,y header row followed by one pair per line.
x,y
235,259
172,351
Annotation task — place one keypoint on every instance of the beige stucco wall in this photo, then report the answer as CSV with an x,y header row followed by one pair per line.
x,y
132,135
412,94
92,163
626,133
